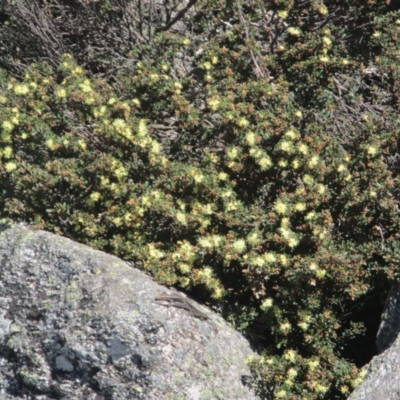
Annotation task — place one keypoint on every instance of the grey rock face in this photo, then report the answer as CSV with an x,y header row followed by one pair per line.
x,y
382,381
390,324
76,323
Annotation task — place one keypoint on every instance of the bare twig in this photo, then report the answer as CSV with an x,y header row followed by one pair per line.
x,y
259,72
177,17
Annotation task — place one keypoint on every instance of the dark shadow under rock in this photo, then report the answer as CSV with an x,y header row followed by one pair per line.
x,y
382,379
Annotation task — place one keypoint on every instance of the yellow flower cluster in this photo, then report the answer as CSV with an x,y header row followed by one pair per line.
x,y
184,268
286,146
322,9
232,153
205,242
255,261
197,176
261,158
7,152
21,89
281,394
178,87
95,196
318,388
290,355
154,253
99,111
313,364
254,238
283,14
270,257
360,377
61,93
294,31
85,86
10,167
7,126
243,122
118,169
213,103
239,246
142,129
206,276
264,162
305,320
122,128
136,102
181,218
266,304
77,71
289,236
372,150
223,176
185,251
285,327
280,207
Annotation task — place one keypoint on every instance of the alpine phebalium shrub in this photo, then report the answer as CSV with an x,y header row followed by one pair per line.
x,y
257,168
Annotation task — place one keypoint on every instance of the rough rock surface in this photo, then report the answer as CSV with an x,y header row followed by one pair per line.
x,y
382,381
76,323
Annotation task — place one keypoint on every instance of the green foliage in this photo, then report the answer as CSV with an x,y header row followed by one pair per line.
x,y
264,178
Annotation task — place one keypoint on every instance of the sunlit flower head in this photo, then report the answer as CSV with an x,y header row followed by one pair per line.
x,y
308,179
243,122
264,163
10,167
303,149
232,153
250,138
292,242
327,41
372,150
313,162
291,134
181,218
310,216
322,9
294,31
223,176
7,126
239,246
269,257
95,196
300,206
286,146
213,103
280,207
267,303
292,373
303,325
290,355
282,14
313,364
61,93
285,327
21,89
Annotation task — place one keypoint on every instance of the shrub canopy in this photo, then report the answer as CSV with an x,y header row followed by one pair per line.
x,y
246,153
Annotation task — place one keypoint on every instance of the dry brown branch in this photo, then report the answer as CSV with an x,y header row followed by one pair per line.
x,y
259,71
178,16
